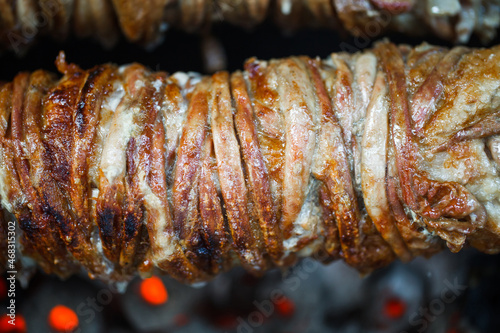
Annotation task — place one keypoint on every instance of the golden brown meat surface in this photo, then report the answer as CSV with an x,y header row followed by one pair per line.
x,y
145,22
388,153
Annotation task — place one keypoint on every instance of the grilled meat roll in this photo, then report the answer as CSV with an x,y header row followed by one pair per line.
x,y
388,153
146,21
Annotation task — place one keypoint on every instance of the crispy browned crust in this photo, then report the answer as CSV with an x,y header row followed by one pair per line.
x,y
434,201
245,234
256,171
120,170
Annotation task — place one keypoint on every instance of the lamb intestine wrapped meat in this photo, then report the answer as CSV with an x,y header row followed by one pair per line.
x,y
145,22
388,153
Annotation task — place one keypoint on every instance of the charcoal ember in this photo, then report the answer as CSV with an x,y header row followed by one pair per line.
x,y
400,287
75,293
143,317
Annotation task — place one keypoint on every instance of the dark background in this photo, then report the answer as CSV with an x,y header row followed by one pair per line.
x,y
181,51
